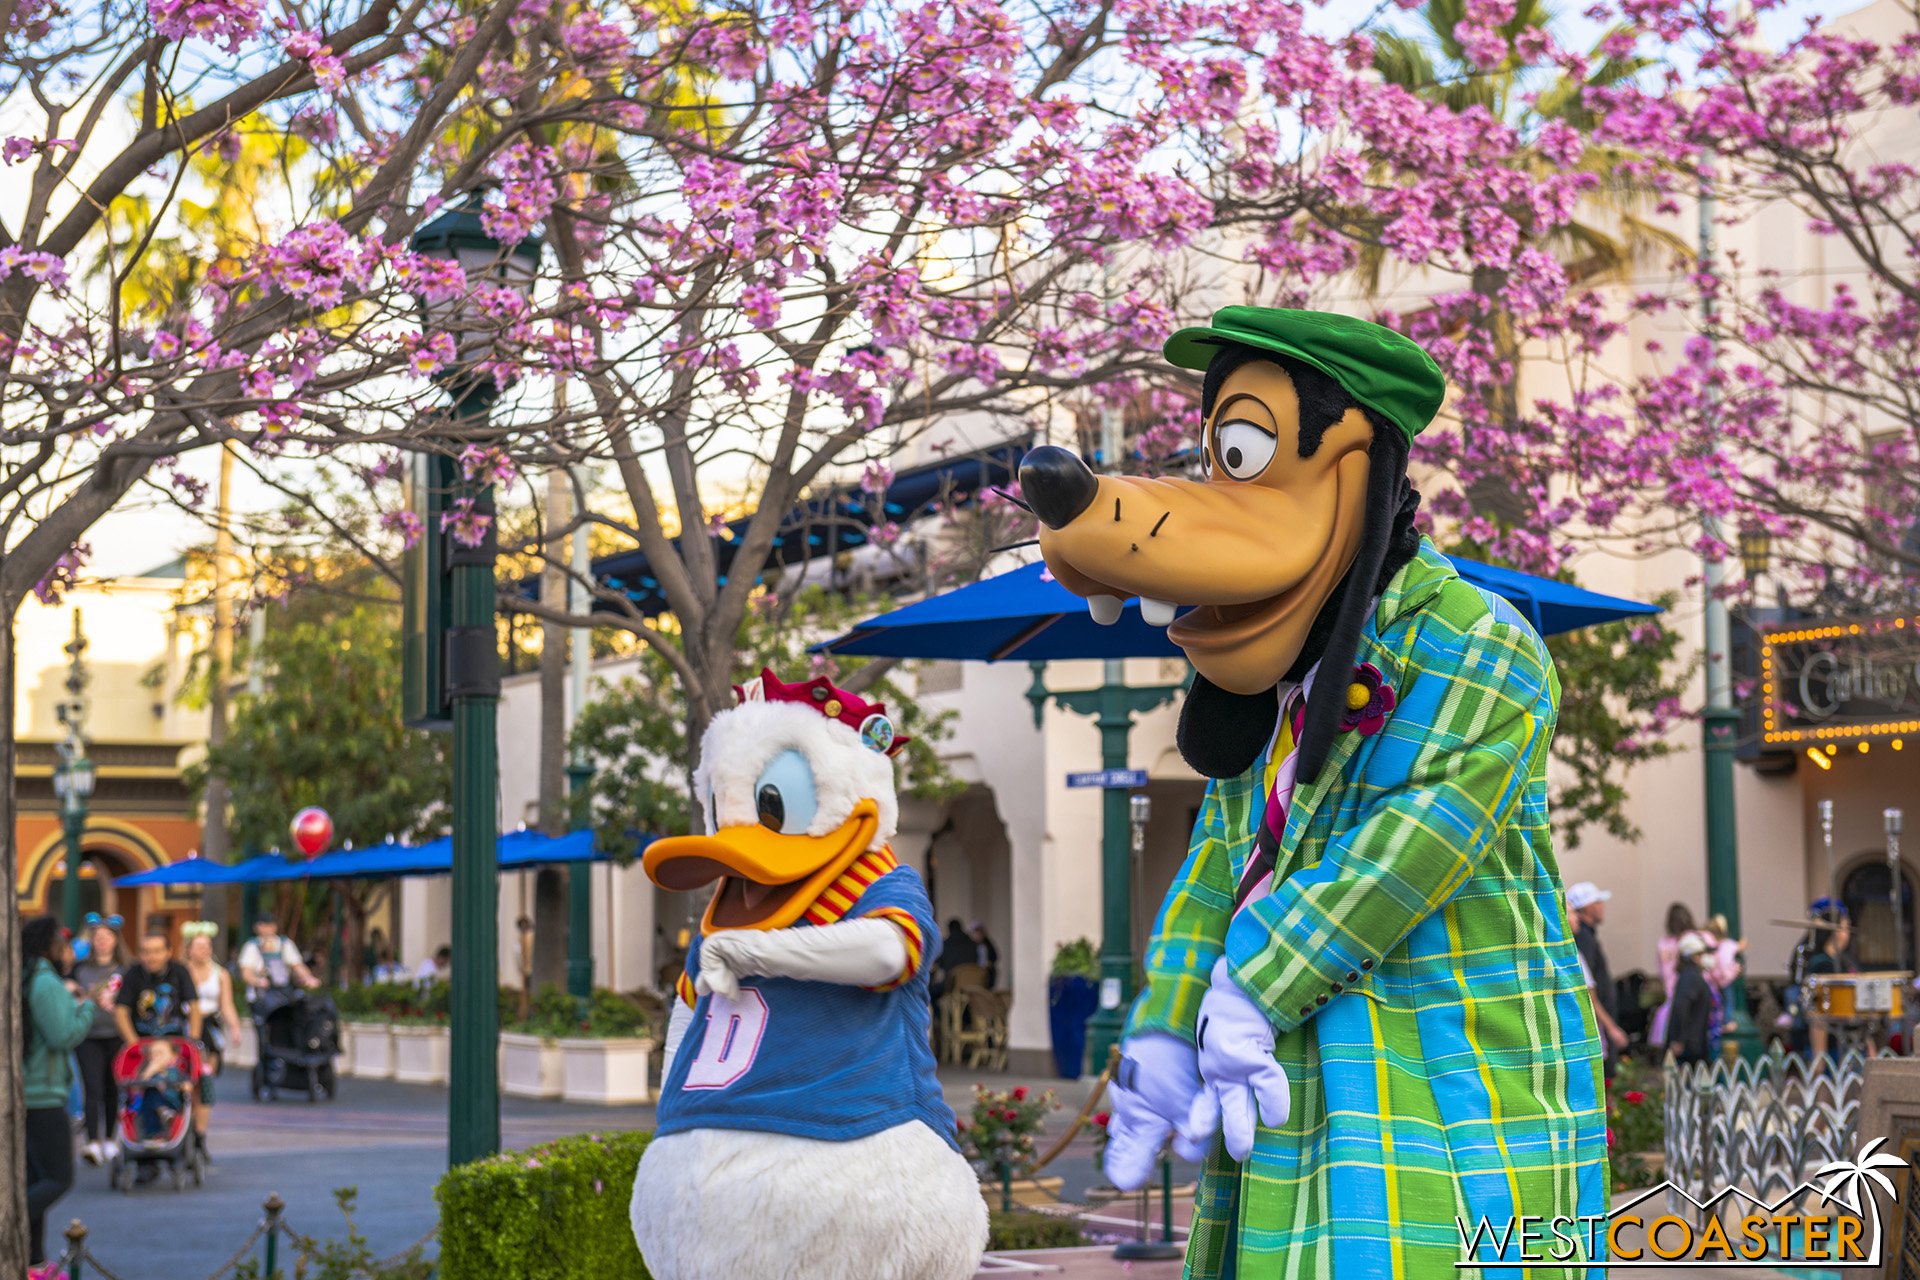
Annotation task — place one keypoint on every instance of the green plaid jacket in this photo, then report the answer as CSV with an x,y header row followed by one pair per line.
x,y
1415,959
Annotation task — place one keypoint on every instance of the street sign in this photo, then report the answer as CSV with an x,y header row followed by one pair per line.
x,y
1109,778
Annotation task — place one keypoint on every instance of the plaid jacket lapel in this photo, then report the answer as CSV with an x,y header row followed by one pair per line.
x,y
1412,587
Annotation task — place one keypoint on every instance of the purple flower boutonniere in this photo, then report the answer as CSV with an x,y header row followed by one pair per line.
x,y
1369,700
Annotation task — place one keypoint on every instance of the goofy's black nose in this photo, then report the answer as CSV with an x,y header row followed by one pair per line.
x,y
1057,485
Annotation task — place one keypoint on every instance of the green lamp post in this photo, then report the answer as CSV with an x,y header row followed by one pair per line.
x,y
73,777
468,655
1720,719
1113,706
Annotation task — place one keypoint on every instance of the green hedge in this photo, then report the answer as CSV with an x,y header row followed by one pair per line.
x,y
1022,1229
555,1212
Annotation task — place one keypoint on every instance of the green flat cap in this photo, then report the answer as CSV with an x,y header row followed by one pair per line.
x,y
1383,370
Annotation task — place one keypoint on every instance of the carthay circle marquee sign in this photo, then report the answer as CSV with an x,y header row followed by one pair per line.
x,y
1840,681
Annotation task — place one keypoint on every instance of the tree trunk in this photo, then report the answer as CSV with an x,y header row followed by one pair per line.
x,y
214,841
13,1103
549,888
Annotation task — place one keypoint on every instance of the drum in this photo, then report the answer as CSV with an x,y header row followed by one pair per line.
x,y
1841,997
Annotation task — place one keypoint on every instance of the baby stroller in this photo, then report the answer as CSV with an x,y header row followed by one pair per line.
x,y
158,1081
299,1037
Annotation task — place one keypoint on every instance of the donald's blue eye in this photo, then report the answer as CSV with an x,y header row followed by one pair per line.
x,y
784,796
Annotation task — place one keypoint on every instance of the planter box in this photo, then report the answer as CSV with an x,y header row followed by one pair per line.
x,y
244,1049
609,1072
343,1065
421,1054
372,1050
530,1066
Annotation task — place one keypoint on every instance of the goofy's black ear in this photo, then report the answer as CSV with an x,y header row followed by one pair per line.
x,y
1221,733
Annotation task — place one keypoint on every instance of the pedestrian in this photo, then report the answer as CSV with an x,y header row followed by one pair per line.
x,y
985,954
436,968
1726,954
1828,953
156,999
99,976
956,949
1679,925
1694,1024
219,1018
1587,906
269,960
55,1016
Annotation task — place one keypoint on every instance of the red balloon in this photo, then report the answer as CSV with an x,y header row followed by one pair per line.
x,y
312,831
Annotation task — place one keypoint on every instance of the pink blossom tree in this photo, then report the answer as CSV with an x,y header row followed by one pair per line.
x,y
160,293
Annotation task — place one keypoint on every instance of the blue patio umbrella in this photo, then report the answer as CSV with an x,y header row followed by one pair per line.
x,y
196,871
517,851
1026,616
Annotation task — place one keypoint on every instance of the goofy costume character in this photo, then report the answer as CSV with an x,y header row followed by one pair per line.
x,y
1363,1007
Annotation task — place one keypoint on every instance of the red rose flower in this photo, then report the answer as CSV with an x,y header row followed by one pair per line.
x,y
1101,1118
1609,1137
1634,1096
1020,1093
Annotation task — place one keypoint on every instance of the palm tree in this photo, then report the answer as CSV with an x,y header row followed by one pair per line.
x,y
1526,93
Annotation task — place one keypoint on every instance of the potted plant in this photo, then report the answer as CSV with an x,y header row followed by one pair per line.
x,y
999,1140
530,1065
605,1059
1073,993
366,1028
422,1046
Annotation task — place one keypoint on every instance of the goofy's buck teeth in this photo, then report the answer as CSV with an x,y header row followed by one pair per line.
x,y
1105,609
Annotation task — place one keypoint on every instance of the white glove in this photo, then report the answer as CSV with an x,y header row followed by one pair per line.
x,y
677,1023
855,953
1152,1092
1238,1068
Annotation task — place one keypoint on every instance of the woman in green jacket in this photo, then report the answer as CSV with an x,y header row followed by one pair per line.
x,y
54,1018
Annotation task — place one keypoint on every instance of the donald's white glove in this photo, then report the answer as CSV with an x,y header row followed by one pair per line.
x,y
858,953
1237,1068
1153,1091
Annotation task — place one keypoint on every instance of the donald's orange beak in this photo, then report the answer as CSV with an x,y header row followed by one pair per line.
x,y
767,878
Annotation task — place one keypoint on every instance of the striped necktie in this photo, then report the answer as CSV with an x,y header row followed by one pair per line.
x,y
1257,880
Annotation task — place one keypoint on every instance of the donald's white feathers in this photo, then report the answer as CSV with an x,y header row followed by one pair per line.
x,y
740,743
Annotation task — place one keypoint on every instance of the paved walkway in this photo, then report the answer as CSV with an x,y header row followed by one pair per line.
x,y
389,1141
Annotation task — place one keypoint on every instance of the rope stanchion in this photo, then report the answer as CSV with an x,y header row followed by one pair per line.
x,y
76,1248
274,1206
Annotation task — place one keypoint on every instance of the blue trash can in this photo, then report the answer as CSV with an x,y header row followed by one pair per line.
x,y
1071,1001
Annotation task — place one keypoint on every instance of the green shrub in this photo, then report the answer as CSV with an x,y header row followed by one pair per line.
x,y
1025,1229
553,1013
354,1003
611,1015
554,1212
1076,959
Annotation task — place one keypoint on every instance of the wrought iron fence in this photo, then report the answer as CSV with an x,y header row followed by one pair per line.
x,y
1764,1126
275,1239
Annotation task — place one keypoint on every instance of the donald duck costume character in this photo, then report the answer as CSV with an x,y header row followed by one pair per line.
x,y
801,1129
1363,1007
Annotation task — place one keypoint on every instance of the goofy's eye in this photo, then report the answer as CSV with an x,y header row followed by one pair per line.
x,y
784,796
1242,448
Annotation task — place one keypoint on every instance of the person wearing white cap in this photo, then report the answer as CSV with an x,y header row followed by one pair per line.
x,y
1693,1025
1587,905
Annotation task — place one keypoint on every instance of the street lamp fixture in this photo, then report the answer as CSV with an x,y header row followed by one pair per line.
x,y
456,643
1756,549
73,777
